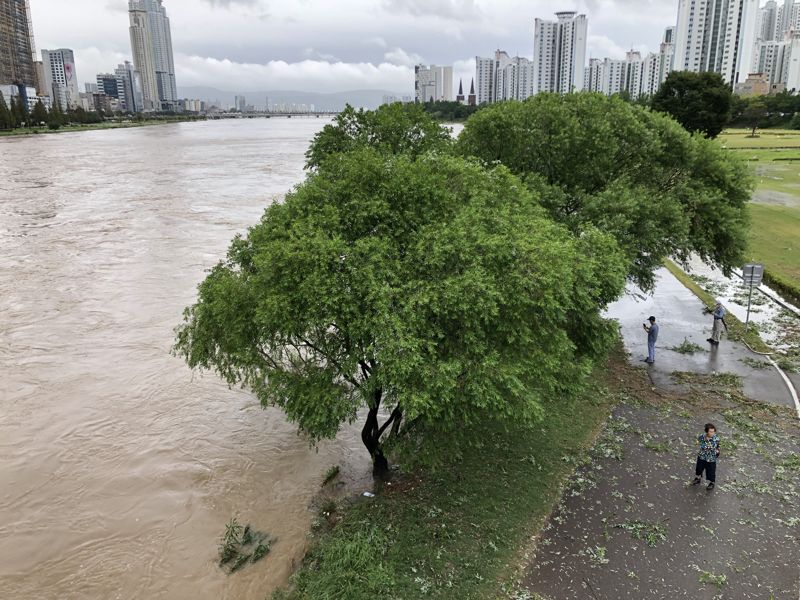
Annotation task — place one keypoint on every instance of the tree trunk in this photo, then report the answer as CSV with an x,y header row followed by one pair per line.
x,y
370,437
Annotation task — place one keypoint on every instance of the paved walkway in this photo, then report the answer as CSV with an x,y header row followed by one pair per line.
x,y
680,316
630,526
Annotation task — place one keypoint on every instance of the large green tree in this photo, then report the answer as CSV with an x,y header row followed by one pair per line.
x,y
393,128
701,102
633,173
428,291
39,114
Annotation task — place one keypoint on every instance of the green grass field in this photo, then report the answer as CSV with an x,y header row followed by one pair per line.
x,y
774,156
459,531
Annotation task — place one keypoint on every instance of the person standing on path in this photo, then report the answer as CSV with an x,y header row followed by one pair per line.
x,y
652,336
719,321
707,457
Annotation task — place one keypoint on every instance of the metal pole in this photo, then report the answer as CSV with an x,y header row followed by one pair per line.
x,y
749,301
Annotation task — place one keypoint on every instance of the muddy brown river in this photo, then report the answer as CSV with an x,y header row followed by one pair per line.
x,y
119,467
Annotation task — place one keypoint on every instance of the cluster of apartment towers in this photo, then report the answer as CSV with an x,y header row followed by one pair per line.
x,y
755,49
144,86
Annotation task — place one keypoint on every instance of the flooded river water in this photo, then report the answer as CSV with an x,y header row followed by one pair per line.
x,y
118,467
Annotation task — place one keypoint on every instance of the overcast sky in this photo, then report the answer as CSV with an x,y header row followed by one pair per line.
x,y
336,45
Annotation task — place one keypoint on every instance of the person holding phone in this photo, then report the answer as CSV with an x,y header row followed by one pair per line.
x,y
651,327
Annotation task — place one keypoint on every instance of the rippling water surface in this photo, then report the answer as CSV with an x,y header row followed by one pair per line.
x,y
118,467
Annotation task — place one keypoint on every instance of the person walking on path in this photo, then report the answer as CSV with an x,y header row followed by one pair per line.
x,y
719,321
652,336
707,457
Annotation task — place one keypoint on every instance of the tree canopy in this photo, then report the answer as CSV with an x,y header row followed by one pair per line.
x,y
393,128
431,288
701,102
630,172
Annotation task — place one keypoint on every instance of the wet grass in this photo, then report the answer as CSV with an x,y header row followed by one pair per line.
x,y
652,533
457,532
775,240
330,475
687,347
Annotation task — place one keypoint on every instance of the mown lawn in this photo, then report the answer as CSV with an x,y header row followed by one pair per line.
x,y
774,156
457,532
775,239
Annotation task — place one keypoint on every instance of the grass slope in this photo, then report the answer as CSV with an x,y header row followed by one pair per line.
x,y
456,532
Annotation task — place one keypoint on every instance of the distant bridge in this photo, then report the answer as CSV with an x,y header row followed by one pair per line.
x,y
270,115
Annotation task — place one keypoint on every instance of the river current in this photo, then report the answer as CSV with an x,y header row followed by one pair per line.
x,y
119,467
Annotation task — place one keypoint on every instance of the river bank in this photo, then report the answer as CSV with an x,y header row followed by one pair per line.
x,y
458,531
24,131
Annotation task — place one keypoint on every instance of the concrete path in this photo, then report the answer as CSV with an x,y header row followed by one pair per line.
x,y
680,316
631,526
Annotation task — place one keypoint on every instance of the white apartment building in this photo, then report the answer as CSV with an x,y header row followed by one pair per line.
x,y
433,83
559,53
718,36
503,78
60,79
151,45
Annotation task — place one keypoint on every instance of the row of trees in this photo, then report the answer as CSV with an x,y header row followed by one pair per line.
x,y
434,283
16,115
701,102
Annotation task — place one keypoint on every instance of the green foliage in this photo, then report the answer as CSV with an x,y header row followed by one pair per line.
x,y
651,533
242,545
701,102
687,347
430,285
450,111
716,580
6,119
39,114
754,114
330,475
393,128
632,173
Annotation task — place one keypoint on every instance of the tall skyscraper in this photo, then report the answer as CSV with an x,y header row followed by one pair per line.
x,y
433,83
718,36
129,88
151,45
767,28
559,53
16,45
503,78
61,81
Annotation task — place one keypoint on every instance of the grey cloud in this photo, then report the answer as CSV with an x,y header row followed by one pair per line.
x,y
229,3
460,10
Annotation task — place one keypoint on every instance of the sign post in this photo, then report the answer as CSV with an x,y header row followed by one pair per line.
x,y
752,275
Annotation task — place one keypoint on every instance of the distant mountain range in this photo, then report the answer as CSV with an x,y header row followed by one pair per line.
x,y
336,101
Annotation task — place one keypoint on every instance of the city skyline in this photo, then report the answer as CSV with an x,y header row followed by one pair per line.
x,y
261,45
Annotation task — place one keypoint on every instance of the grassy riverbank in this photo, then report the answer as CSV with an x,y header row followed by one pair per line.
x,y
459,532
774,155
94,126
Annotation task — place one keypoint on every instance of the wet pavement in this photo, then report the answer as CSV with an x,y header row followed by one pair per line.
x,y
630,524
680,316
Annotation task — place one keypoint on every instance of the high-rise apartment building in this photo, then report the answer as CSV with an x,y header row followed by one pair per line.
x,y
503,78
17,60
151,45
767,26
716,35
433,83
61,81
129,88
559,53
